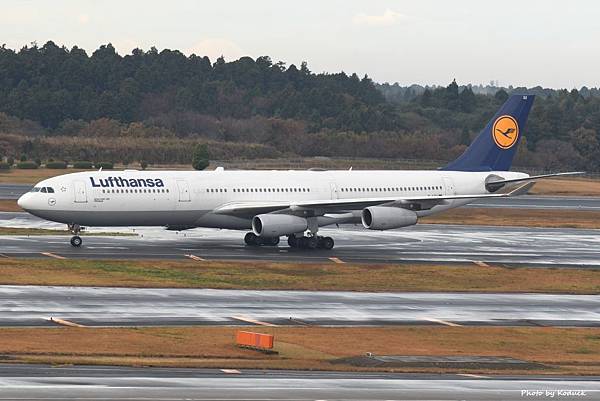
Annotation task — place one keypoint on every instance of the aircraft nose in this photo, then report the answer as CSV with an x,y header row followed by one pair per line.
x,y
24,201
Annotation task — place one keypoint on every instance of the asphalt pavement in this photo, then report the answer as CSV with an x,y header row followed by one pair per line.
x,y
104,306
13,191
40,382
424,243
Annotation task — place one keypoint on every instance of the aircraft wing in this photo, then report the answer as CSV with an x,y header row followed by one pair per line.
x,y
333,205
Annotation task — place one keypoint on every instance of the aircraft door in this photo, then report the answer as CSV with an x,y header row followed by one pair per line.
x,y
334,190
184,191
449,185
80,192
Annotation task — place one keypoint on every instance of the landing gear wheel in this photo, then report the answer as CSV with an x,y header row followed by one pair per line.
x,y
251,239
273,241
311,242
76,241
326,243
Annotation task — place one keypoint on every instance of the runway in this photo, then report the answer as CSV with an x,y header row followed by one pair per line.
x,y
13,191
91,306
40,382
425,243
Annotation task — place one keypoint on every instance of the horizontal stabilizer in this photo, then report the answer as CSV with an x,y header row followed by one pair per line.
x,y
495,185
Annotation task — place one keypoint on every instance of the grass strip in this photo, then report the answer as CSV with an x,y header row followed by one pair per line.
x,y
297,276
548,218
561,350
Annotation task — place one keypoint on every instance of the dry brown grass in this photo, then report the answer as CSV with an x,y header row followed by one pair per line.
x,y
298,276
573,350
572,186
517,217
9,205
27,176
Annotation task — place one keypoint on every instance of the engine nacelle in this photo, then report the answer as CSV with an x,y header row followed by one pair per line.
x,y
386,218
275,225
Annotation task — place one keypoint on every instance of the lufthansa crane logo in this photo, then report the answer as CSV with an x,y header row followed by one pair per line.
x,y
505,132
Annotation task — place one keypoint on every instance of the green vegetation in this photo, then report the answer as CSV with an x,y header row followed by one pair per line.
x,y
156,106
83,164
104,165
200,161
56,165
27,165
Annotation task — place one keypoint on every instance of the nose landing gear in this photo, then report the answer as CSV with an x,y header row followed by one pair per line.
x,y
75,229
76,241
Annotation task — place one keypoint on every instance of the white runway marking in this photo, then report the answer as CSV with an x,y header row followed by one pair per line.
x,y
440,321
254,321
64,322
474,376
197,258
480,263
231,371
52,255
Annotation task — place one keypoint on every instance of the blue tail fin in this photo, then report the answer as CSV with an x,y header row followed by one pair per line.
x,y
495,146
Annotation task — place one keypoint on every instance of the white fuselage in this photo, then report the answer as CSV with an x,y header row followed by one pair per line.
x,y
189,198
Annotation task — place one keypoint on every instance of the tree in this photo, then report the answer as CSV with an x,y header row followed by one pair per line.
x,y
501,96
585,141
200,160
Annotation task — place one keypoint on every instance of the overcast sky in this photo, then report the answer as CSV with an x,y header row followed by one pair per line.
x,y
549,43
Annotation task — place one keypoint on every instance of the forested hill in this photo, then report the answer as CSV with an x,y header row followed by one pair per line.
x,y
66,104
52,84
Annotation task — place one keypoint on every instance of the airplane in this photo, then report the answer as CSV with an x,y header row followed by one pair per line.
x,y
294,204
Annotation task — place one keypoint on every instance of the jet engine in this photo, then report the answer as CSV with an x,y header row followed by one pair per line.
x,y
275,225
386,218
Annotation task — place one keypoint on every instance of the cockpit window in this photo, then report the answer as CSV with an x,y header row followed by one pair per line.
x,y
43,190
35,189
50,190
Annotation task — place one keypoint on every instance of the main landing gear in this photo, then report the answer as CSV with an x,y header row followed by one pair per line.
x,y
252,239
75,229
314,242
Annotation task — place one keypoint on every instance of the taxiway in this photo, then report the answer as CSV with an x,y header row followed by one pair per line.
x,y
40,382
92,306
426,243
